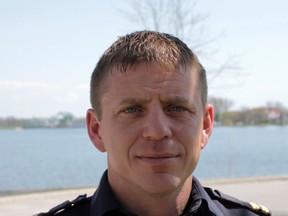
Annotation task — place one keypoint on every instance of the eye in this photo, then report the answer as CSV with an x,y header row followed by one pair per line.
x,y
131,110
176,109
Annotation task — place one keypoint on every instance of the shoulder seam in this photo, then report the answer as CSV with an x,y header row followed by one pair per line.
x,y
66,205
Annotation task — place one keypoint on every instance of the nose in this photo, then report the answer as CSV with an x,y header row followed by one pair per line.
x,y
156,125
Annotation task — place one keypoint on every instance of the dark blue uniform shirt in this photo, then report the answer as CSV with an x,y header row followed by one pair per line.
x,y
202,201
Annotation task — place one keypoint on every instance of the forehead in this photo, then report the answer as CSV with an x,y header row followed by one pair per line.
x,y
153,70
146,79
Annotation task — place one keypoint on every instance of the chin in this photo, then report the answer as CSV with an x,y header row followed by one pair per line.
x,y
160,183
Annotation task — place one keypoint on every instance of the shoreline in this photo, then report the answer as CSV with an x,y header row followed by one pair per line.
x,y
236,180
270,191
220,181
9,193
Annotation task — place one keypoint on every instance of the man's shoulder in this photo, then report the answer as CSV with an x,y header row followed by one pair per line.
x,y
78,206
228,204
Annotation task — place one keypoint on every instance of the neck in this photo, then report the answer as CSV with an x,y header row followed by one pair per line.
x,y
169,203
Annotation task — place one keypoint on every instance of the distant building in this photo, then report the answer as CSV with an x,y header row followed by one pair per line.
x,y
274,115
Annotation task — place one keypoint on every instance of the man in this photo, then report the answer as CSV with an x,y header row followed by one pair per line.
x,y
150,114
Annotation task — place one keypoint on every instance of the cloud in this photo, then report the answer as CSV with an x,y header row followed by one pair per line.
x,y
67,98
30,98
25,85
83,87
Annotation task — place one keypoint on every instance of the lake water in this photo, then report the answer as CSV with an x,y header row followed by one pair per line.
x,y
37,159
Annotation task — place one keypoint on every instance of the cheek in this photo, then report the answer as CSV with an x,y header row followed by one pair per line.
x,y
120,147
192,154
190,132
191,139
118,140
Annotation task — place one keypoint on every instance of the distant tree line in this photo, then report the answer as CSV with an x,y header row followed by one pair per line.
x,y
270,114
60,120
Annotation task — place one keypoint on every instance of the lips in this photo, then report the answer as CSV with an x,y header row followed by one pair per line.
x,y
158,155
158,158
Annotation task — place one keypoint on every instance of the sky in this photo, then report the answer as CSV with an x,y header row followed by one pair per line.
x,y
49,48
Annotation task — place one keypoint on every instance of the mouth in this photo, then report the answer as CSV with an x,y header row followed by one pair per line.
x,y
158,159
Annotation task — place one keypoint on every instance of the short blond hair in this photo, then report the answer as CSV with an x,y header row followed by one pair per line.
x,y
144,46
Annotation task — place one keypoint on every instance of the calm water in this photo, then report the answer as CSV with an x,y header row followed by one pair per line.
x,y
36,159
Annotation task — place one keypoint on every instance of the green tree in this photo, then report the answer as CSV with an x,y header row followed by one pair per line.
x,y
65,119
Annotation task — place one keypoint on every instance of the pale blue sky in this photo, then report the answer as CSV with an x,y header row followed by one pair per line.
x,y
49,48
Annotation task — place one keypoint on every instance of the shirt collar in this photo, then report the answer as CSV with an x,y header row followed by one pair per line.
x,y
104,200
199,196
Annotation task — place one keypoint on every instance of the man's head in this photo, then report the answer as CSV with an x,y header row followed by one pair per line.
x,y
150,115
145,47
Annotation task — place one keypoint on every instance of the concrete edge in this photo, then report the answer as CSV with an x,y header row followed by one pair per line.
x,y
238,180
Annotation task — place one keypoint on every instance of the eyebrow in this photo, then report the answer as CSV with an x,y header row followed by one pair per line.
x,y
176,99
167,100
170,100
132,101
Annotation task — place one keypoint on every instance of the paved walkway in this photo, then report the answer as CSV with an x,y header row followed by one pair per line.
x,y
270,192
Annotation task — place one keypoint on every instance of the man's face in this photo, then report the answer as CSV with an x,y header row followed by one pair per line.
x,y
153,127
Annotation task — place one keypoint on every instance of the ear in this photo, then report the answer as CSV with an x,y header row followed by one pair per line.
x,y
93,126
208,121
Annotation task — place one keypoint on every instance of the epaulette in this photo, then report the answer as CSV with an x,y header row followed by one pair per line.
x,y
259,208
79,205
253,207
